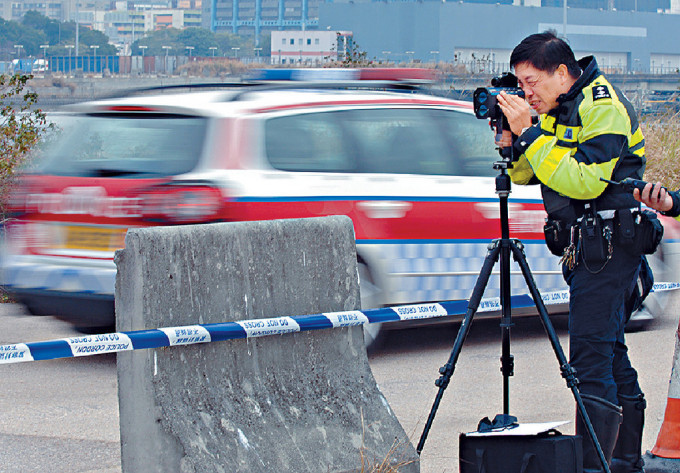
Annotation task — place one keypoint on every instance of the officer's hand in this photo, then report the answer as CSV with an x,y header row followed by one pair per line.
x,y
505,141
516,110
654,196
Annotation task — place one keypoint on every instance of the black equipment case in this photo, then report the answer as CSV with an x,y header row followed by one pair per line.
x,y
549,452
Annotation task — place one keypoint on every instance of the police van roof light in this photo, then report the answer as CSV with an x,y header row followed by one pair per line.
x,y
344,74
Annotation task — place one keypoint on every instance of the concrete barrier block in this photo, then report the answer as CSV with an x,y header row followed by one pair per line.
x,y
300,402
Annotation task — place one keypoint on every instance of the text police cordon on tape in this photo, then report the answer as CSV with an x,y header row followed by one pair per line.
x,y
206,333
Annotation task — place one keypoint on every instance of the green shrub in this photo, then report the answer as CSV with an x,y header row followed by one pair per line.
x,y
21,127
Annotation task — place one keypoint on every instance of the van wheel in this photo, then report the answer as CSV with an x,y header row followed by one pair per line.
x,y
373,335
35,307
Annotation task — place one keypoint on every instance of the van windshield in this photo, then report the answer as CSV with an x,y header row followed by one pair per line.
x,y
112,145
395,140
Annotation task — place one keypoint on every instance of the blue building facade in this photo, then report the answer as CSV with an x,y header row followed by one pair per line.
x,y
251,17
625,35
484,34
650,6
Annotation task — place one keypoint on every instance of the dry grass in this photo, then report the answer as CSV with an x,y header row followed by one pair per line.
x,y
393,462
662,145
219,67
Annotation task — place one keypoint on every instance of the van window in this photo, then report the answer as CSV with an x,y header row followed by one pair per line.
x,y
309,142
111,145
471,141
400,141
394,140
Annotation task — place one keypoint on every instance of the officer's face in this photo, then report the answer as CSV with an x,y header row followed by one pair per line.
x,y
541,89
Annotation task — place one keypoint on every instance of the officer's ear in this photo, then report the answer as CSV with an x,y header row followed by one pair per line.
x,y
565,79
562,71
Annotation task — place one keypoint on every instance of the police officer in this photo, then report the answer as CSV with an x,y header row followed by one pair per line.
x,y
586,130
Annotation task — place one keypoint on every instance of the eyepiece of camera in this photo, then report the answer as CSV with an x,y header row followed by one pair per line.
x,y
507,79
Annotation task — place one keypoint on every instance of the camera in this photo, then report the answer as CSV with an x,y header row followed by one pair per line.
x,y
484,99
485,105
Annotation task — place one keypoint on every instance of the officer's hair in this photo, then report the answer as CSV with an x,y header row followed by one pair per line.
x,y
545,51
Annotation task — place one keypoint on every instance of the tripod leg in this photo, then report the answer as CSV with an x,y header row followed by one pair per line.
x,y
446,371
568,372
507,360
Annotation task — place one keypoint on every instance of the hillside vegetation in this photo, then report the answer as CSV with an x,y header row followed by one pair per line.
x,y
662,143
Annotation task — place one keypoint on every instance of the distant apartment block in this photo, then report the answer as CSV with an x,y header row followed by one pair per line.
x,y
313,48
177,18
62,10
126,26
123,21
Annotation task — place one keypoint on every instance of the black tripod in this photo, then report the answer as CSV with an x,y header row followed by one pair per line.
x,y
501,249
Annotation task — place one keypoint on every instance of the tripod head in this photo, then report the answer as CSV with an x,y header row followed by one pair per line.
x,y
505,163
503,182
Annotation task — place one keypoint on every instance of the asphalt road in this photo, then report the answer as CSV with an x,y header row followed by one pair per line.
x,y
57,415
62,415
408,366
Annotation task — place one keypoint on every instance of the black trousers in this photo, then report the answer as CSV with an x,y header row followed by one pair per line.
x,y
597,316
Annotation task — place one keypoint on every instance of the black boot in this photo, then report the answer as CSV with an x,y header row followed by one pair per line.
x,y
605,418
628,450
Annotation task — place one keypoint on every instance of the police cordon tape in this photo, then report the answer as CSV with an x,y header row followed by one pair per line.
x,y
206,333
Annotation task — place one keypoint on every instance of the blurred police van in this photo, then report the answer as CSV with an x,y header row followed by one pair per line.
x,y
411,169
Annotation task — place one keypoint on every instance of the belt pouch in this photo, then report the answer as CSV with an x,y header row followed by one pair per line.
x,y
556,236
594,245
649,233
550,452
625,227
652,231
638,232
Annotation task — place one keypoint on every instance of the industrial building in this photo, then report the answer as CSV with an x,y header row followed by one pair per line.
x,y
482,36
626,35
309,48
251,17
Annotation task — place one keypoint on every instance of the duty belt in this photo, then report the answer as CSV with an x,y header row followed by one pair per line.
x,y
609,214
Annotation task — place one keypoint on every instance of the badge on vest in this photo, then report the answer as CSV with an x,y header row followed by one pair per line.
x,y
601,92
568,134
